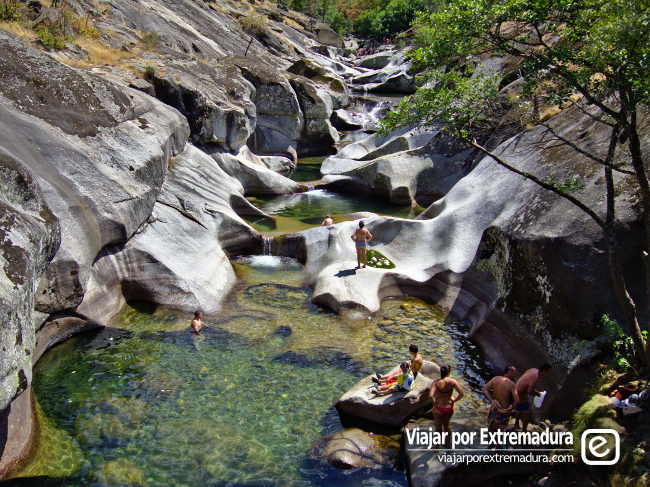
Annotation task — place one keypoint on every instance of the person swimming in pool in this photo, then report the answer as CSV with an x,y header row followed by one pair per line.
x,y
443,404
196,324
361,237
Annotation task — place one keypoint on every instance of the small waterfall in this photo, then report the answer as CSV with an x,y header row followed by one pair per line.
x,y
266,245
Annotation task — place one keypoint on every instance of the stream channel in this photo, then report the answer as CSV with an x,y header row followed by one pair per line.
x,y
145,403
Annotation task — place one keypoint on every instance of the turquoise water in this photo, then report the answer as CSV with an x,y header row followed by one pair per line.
x,y
145,403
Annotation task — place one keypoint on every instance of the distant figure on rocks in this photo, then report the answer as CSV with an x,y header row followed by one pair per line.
x,y
196,323
327,221
361,237
502,398
403,382
443,404
416,364
525,386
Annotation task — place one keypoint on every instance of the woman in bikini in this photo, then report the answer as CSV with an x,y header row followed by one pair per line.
x,y
443,404
361,237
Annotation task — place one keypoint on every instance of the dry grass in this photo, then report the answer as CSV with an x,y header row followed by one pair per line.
x,y
18,29
100,54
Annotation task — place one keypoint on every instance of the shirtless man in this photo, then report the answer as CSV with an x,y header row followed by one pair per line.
x,y
502,398
525,386
361,237
196,323
416,360
327,221
443,404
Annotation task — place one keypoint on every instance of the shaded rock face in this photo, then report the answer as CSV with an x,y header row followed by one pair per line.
x,y
359,406
101,187
354,448
428,468
178,259
29,238
215,100
333,84
279,117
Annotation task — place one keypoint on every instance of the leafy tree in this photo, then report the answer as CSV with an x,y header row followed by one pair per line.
x,y
594,53
389,17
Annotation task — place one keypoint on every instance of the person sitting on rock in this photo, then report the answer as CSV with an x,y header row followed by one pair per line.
x,y
443,404
403,382
416,364
327,221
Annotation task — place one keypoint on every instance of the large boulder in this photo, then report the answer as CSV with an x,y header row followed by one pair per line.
x,y
318,136
360,406
255,177
355,448
279,117
177,259
405,167
336,88
216,100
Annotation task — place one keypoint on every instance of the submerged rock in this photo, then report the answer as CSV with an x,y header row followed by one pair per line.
x,y
355,448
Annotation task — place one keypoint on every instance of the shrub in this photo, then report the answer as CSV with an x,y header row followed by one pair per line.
x,y
254,24
51,38
149,72
10,10
622,344
149,41
395,17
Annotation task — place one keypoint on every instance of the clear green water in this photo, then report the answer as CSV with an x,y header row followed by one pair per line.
x,y
145,403
301,211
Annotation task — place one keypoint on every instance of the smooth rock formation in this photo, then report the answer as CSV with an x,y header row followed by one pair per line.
x,y
355,448
177,259
393,77
253,174
404,167
359,406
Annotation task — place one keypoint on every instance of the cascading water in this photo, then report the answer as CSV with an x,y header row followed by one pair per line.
x,y
266,259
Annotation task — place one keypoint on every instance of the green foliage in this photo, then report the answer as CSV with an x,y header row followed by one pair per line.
x,y
52,38
10,10
568,186
254,24
466,102
338,21
374,258
150,41
149,72
389,18
622,344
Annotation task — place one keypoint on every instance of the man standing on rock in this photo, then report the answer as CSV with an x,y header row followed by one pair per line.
x,y
361,237
196,323
502,398
525,386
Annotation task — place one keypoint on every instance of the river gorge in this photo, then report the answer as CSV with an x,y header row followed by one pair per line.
x,y
194,175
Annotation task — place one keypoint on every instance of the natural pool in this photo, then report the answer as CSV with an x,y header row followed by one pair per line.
x,y
146,403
